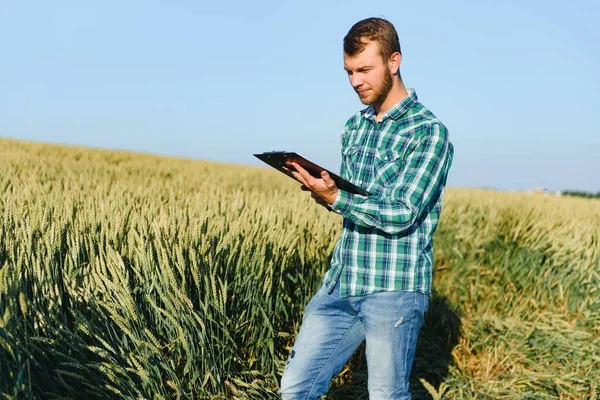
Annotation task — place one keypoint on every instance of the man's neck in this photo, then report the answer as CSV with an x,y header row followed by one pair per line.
x,y
396,94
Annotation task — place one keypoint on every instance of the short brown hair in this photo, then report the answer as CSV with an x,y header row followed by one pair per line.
x,y
378,30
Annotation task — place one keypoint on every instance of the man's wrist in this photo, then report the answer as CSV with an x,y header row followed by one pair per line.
x,y
342,202
334,199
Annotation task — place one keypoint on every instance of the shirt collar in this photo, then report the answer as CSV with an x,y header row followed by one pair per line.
x,y
397,110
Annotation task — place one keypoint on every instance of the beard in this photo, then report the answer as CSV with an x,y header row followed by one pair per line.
x,y
380,92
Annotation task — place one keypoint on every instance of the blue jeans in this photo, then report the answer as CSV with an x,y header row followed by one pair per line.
x,y
333,328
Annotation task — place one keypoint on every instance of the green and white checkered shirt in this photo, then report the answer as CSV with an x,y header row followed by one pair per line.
x,y
387,238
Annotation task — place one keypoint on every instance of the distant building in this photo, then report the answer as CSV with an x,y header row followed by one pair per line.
x,y
541,190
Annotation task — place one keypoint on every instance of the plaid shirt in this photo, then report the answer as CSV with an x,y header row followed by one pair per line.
x,y
387,238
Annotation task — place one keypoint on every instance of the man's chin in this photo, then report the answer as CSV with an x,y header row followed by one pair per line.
x,y
367,101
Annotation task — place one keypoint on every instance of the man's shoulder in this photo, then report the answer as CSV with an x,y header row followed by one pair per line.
x,y
426,123
432,132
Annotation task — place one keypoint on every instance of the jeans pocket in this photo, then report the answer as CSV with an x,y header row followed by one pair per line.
x,y
426,303
315,301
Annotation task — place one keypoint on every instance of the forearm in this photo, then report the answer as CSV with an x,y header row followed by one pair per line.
x,y
398,207
375,212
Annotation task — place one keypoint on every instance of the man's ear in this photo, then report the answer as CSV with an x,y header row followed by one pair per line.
x,y
394,63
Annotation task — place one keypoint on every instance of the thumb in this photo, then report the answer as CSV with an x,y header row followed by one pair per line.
x,y
327,179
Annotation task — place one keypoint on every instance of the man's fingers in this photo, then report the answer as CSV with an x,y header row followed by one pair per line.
x,y
299,178
324,186
296,174
307,179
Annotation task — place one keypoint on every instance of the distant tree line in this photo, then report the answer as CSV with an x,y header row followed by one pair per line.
x,y
581,193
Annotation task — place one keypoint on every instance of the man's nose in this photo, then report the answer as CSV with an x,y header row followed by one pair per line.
x,y
355,81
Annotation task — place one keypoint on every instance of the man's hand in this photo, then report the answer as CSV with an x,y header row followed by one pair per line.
x,y
324,190
316,197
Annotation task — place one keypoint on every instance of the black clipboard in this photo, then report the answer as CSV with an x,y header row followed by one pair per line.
x,y
276,159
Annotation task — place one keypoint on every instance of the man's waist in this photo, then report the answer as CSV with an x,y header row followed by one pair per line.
x,y
417,234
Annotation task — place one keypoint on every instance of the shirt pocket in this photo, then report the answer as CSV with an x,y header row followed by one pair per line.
x,y
350,160
387,166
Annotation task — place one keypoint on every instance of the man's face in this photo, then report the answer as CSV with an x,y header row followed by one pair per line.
x,y
369,75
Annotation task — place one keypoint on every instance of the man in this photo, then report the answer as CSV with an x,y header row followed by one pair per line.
x,y
379,283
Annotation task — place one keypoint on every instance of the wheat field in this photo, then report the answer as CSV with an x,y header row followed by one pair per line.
x,y
129,275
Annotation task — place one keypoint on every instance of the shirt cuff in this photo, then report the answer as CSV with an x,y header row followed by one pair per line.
x,y
343,202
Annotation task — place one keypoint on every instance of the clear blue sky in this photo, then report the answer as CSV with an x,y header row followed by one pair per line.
x,y
515,82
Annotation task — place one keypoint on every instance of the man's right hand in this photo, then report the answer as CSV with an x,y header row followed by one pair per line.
x,y
316,197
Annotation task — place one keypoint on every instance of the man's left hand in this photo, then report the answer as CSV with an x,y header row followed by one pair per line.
x,y
323,187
